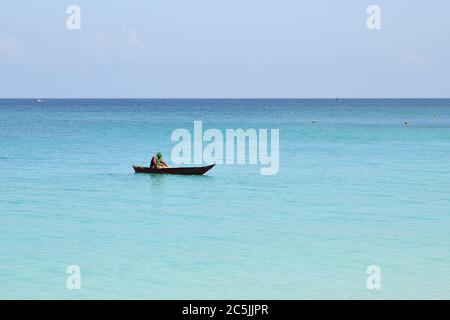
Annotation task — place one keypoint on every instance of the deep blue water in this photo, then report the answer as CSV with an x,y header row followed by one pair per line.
x,y
358,188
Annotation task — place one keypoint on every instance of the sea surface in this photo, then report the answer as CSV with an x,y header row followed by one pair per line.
x,y
356,189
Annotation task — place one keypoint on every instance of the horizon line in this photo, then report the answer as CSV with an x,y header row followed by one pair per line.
x,y
222,98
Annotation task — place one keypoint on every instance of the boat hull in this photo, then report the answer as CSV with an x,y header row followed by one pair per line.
x,y
174,170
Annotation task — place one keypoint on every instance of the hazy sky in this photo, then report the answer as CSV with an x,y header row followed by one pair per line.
x,y
225,48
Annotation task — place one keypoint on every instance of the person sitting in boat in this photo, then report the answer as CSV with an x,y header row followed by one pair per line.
x,y
158,161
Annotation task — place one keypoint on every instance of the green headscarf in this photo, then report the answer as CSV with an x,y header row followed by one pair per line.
x,y
158,157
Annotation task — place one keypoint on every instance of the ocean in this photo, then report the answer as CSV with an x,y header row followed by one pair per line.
x,y
358,188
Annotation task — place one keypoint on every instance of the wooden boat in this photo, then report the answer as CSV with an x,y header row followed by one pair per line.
x,y
175,170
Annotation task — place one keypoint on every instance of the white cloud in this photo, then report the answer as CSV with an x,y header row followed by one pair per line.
x,y
410,59
131,36
125,45
10,47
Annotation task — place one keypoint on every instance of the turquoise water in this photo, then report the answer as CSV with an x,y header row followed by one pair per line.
x,y
357,189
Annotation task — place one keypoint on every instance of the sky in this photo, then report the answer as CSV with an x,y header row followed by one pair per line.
x,y
225,49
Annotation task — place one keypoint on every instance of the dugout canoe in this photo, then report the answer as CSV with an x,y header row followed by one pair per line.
x,y
174,170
